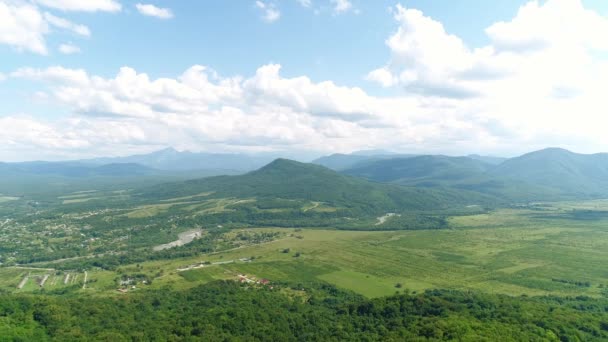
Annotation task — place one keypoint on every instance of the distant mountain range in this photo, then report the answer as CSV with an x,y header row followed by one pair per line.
x,y
550,174
164,162
547,174
74,169
172,160
339,162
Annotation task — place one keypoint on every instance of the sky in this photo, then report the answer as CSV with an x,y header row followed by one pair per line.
x,y
82,79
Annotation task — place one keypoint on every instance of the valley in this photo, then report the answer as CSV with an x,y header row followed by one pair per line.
x,y
295,231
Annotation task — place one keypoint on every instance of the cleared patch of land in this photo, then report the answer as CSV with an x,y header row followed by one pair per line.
x,y
183,238
7,198
151,210
383,219
202,194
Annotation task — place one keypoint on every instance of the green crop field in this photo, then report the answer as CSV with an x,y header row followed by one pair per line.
x,y
515,260
508,251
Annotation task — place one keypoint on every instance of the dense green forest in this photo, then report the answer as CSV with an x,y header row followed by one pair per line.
x,y
226,311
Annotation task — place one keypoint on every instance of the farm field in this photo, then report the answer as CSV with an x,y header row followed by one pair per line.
x,y
540,250
562,260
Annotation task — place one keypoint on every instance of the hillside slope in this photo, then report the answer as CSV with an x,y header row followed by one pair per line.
x,y
431,170
339,162
573,173
294,180
458,173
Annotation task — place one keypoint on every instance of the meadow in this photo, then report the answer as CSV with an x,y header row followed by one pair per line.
x,y
542,249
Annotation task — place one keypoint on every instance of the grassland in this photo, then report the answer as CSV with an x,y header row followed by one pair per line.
x,y
509,260
533,251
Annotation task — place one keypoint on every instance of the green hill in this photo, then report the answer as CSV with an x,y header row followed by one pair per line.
x,y
429,170
574,174
286,179
458,173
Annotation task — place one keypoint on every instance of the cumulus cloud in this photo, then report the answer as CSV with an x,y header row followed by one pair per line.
x,y
542,45
200,109
69,49
153,11
82,5
554,23
540,76
270,13
425,58
27,131
23,27
502,97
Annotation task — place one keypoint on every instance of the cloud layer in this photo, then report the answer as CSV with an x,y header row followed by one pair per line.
x,y
539,81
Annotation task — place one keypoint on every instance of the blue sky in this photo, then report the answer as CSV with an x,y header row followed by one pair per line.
x,y
231,37
415,92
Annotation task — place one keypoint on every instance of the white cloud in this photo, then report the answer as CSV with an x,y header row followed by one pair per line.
x,y
23,27
341,6
29,132
305,3
543,47
200,109
498,98
2,77
539,78
383,76
425,58
556,22
69,49
56,74
82,5
67,25
270,12
153,11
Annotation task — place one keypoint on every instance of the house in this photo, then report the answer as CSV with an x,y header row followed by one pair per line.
x,y
129,281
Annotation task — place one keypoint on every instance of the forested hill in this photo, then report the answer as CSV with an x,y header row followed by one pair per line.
x,y
421,169
573,173
546,175
289,179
